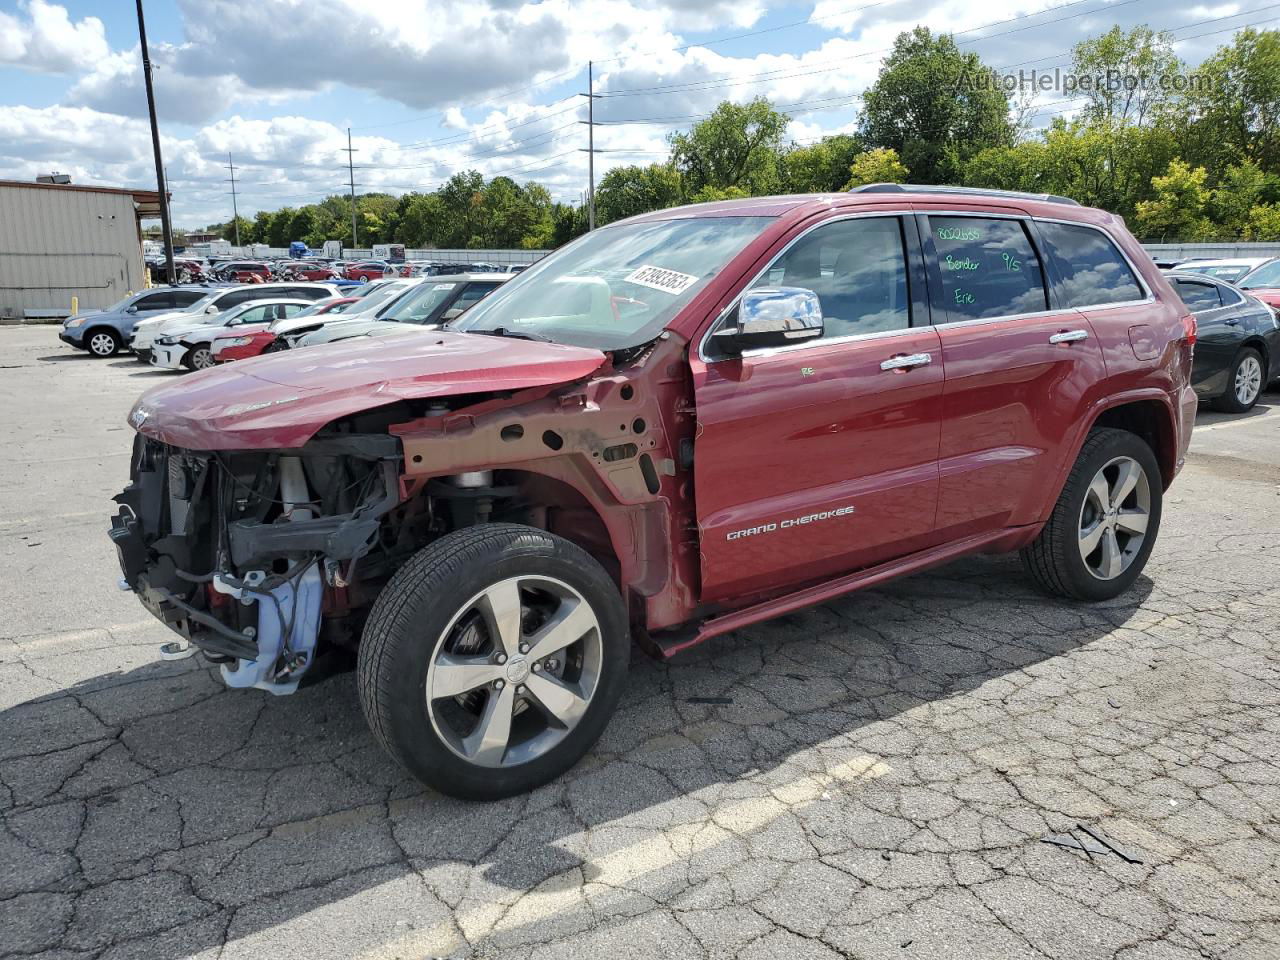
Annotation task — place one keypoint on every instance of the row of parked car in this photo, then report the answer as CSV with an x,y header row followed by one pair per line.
x,y
193,328
1236,303
229,270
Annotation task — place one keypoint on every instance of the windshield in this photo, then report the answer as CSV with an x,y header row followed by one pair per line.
x,y
199,305
1267,276
1228,273
373,301
617,286
419,304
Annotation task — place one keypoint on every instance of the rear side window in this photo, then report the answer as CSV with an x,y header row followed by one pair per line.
x,y
237,297
156,301
184,298
306,293
1091,270
989,267
1198,296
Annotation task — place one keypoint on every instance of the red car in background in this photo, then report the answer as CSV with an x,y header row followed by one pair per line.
x,y
308,271
366,270
241,344
1263,282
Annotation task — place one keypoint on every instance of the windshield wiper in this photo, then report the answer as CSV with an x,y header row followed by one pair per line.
x,y
514,335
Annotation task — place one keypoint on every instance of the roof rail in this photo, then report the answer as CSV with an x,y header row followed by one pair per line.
x,y
968,191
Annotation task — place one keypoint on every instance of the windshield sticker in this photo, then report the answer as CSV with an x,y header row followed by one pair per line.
x,y
658,278
444,286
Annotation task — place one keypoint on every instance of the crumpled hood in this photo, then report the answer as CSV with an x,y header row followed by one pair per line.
x,y
280,400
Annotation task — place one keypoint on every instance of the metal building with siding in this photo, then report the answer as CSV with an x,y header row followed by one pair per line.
x,y
59,241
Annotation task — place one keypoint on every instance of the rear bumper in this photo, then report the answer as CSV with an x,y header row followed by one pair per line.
x,y
1188,404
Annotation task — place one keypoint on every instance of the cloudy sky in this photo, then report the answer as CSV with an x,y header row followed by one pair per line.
x,y
431,87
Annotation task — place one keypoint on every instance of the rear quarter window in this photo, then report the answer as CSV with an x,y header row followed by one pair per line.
x,y
1091,270
184,298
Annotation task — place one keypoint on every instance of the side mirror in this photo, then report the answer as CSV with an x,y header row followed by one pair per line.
x,y
773,317
211,309
132,309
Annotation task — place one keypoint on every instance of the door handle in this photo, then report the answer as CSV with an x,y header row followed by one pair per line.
x,y
1069,336
909,360
1232,323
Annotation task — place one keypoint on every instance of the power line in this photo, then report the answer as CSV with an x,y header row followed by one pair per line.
x,y
351,175
235,210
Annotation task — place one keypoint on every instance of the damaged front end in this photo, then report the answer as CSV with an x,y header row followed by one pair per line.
x,y
243,553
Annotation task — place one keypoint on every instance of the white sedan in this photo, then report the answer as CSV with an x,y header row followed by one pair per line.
x,y
190,348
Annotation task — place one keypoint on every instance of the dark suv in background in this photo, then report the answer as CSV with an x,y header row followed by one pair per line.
x,y
676,426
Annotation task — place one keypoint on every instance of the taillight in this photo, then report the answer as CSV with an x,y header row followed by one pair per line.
x,y
1189,328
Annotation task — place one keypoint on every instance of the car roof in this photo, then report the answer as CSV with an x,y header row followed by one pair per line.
x,y
1232,262
466,276
260,302
1197,277
879,196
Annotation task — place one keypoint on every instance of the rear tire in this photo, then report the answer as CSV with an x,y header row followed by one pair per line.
x,y
1105,522
479,705
1245,382
102,343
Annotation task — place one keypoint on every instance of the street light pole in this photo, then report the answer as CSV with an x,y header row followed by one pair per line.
x,y
161,180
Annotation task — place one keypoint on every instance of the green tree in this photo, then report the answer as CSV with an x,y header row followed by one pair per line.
x,y
1178,210
737,146
935,106
880,165
1132,64
1234,104
627,191
822,167
1236,195
1263,223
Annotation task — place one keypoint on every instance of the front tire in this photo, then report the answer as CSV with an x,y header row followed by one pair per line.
x,y
1105,522
102,343
1245,382
199,357
493,660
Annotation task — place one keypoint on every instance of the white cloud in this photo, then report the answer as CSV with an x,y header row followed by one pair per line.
x,y
46,41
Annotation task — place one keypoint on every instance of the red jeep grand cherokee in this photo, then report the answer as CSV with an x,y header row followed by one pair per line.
x,y
677,425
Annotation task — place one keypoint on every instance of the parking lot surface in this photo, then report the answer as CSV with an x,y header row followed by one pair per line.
x,y
872,778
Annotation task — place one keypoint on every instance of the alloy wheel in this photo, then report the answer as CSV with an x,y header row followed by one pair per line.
x,y
102,345
1248,382
514,672
202,359
1114,517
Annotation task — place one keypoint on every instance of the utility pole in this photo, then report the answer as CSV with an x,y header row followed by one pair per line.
x,y
351,175
161,179
591,145
235,210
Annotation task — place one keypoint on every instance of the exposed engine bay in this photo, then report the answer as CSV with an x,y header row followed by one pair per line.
x,y
234,550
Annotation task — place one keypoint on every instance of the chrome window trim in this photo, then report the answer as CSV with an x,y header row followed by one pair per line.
x,y
818,341
765,352
1148,298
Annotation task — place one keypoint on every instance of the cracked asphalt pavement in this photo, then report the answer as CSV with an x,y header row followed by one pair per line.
x,y
877,784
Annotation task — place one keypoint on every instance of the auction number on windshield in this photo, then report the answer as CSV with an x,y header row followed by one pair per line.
x,y
659,278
